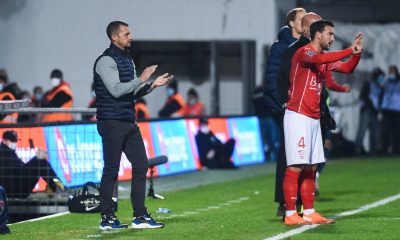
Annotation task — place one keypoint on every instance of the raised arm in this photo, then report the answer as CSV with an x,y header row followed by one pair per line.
x,y
331,83
345,67
311,57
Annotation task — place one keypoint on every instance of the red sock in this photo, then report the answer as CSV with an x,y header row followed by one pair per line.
x,y
290,186
307,189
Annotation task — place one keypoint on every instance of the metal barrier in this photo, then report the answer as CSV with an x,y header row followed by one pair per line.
x,y
75,152
25,175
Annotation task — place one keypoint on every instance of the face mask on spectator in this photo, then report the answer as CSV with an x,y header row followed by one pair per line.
x,y
192,101
12,145
204,129
38,96
392,77
55,82
381,79
170,92
1,87
93,93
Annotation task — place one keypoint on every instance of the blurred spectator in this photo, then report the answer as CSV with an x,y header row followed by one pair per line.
x,y
269,132
14,89
3,75
193,106
391,113
92,104
60,96
37,97
141,109
26,117
370,97
19,178
5,95
212,152
174,106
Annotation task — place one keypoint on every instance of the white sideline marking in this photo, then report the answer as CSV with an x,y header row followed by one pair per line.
x,y
209,208
383,219
41,218
343,214
213,207
188,212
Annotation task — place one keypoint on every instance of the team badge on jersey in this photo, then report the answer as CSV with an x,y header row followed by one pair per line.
x,y
310,53
302,153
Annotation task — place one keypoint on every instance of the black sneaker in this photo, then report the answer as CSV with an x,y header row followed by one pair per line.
x,y
145,221
109,223
4,229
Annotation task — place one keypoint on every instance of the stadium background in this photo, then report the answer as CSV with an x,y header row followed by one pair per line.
x,y
219,47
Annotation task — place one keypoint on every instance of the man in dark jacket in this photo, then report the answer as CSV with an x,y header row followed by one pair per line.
x,y
19,178
286,36
212,152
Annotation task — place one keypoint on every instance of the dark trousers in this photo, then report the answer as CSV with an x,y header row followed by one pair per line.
x,y
118,137
224,154
280,165
3,208
391,132
368,120
20,182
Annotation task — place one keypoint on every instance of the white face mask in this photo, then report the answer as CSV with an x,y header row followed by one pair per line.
x,y
204,129
12,145
55,82
1,87
93,93
392,76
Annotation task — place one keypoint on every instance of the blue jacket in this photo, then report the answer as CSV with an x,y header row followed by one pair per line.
x,y
391,96
276,52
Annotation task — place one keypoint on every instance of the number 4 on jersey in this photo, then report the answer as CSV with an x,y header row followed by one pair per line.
x,y
301,143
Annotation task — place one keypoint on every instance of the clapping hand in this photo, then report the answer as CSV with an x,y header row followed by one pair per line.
x,y
146,74
162,80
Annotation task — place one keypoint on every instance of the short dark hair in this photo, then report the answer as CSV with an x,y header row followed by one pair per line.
x,y
3,75
319,26
174,85
203,120
56,73
376,72
396,71
193,93
291,15
37,88
113,27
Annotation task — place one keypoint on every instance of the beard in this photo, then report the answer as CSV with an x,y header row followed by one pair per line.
x,y
127,46
325,46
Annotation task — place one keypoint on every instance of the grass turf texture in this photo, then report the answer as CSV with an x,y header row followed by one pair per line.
x,y
345,185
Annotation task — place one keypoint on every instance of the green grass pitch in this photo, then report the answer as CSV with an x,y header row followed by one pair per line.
x,y
244,209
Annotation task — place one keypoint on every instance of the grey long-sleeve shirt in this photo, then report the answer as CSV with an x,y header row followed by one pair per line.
x,y
107,68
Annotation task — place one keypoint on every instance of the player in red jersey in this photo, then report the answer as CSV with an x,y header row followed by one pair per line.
x,y
302,130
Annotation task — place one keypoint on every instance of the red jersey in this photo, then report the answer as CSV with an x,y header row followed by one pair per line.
x,y
331,84
308,73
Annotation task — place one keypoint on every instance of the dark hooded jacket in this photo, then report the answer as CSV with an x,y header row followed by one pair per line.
x,y
276,52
